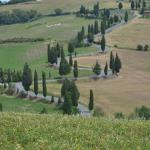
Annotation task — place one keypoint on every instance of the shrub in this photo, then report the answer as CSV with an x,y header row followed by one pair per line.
x,y
58,11
119,115
98,112
116,46
44,111
143,112
146,47
1,107
139,47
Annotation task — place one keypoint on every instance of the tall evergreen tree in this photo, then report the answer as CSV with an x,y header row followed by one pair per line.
x,y
1,76
64,67
83,32
120,5
89,28
26,77
111,64
103,27
69,86
97,68
62,54
118,64
70,60
52,58
9,76
126,17
75,69
74,94
58,49
48,52
103,43
91,100
70,48
90,37
35,83
132,4
106,69
67,106
96,27
52,99
44,84
96,9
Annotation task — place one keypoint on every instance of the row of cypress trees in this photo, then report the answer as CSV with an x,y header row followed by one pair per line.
x,y
7,75
115,65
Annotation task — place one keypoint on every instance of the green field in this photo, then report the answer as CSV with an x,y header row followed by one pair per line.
x,y
12,104
28,131
68,28
48,6
36,56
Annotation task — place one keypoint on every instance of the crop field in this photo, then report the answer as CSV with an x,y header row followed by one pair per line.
x,y
137,29
48,6
28,131
12,104
35,54
67,28
131,88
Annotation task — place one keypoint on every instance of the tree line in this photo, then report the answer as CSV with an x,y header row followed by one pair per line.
x,y
18,16
7,75
114,65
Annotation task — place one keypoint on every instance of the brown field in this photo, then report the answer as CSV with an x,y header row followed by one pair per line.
x,y
132,87
47,6
130,35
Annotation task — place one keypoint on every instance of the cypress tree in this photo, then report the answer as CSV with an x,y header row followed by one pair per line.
x,y
103,27
1,75
89,28
64,67
70,48
69,86
126,17
118,64
106,69
59,101
97,68
83,32
67,106
91,100
53,55
1,107
92,29
62,53
96,27
26,77
75,69
52,99
90,37
132,4
9,76
44,84
111,64
35,83
103,42
65,87
48,52
58,49
70,60
74,94
120,6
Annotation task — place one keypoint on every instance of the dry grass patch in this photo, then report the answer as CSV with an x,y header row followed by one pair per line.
x,y
130,35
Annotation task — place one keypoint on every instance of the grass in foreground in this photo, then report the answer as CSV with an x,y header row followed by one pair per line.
x,y
28,131
12,104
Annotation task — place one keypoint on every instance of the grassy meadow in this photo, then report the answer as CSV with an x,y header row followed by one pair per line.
x,y
131,88
28,131
12,104
48,6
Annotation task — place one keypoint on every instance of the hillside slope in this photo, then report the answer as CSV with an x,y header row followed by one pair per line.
x,y
28,131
